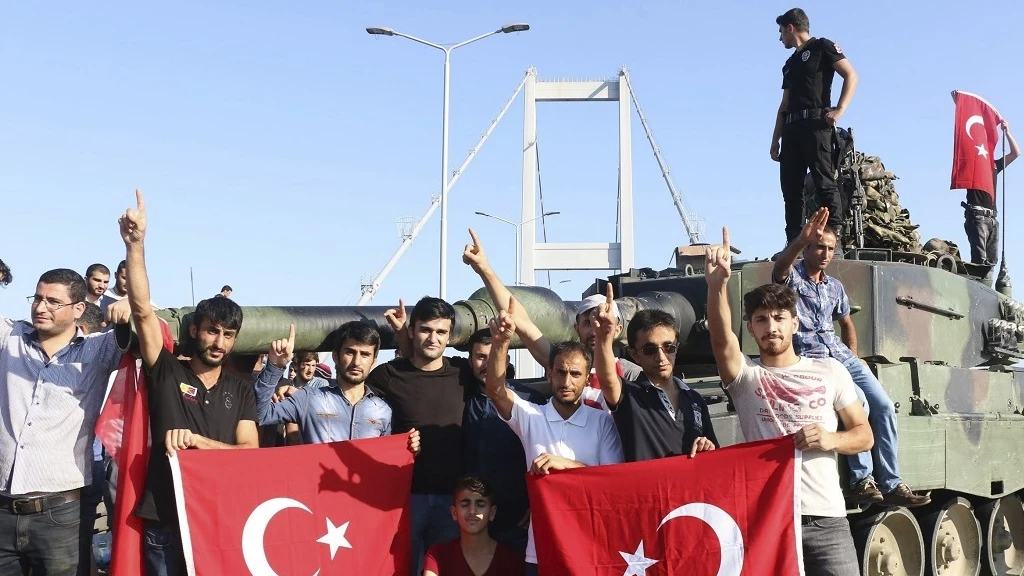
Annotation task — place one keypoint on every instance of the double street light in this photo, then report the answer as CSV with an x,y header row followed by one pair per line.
x,y
517,225
447,49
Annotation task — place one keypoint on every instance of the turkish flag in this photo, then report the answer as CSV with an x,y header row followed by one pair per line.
x,y
730,511
975,134
123,429
338,508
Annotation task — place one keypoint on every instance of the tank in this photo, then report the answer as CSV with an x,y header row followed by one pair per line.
x,y
942,344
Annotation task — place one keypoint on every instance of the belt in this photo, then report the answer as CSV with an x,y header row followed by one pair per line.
x,y
978,209
41,503
810,114
806,520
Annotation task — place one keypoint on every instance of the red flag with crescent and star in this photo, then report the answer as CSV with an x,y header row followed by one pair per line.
x,y
975,135
728,512
338,508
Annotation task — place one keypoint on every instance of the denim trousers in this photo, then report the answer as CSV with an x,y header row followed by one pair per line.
x,y
882,417
48,542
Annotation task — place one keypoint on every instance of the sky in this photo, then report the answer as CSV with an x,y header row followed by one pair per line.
x,y
278,143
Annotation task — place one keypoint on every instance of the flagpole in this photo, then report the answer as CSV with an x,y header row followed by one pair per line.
x,y
1003,285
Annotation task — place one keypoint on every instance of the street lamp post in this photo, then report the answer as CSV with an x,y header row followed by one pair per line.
x,y
517,225
507,29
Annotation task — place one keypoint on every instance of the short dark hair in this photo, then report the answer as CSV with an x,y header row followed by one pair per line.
x,y
5,274
97,268
69,278
220,311
226,287
570,347
430,308
473,483
91,320
305,356
359,332
482,336
796,17
769,297
830,230
121,266
645,320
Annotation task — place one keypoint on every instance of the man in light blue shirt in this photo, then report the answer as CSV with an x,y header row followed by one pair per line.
x,y
346,409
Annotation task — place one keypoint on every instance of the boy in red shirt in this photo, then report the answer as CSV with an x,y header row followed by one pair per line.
x,y
475,553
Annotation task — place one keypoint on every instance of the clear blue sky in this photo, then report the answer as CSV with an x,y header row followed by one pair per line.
x,y
278,143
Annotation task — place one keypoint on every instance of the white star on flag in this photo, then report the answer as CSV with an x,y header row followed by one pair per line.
x,y
982,151
335,537
636,563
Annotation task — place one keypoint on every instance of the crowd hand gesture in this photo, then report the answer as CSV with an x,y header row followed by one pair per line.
x,y
718,267
133,221
604,323
701,444
281,350
119,312
815,227
414,442
814,436
503,326
396,317
474,256
545,463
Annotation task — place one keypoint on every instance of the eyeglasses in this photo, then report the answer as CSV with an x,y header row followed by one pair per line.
x,y
652,349
51,305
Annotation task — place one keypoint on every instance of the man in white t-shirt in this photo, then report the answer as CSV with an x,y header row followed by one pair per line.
x,y
561,434
781,393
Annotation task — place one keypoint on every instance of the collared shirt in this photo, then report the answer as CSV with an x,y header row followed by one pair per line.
x,y
49,407
323,413
588,437
818,306
650,427
316,382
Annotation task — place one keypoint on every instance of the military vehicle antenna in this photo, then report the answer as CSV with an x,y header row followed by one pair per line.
x,y
692,229
369,289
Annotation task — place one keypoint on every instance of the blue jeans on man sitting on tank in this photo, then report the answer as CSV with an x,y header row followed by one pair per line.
x,y
882,417
431,523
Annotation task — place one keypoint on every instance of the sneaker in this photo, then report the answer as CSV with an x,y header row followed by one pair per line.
x,y
904,496
867,492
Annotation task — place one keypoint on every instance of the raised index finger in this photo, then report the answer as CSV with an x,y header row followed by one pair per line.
x,y
476,241
610,296
139,200
291,334
725,239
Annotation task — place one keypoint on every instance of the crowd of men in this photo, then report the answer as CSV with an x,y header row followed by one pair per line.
x,y
474,431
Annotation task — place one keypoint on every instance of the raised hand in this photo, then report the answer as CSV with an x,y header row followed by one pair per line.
x,y
474,256
133,221
503,326
718,267
815,227
281,350
397,317
119,312
604,322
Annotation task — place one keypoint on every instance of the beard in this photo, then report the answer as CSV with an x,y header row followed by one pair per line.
x,y
204,356
352,378
775,347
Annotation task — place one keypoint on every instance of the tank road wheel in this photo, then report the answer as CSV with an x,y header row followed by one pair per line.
x,y
952,540
1002,528
890,544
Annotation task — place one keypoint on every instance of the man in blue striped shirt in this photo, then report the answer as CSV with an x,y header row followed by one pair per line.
x,y
822,300
346,409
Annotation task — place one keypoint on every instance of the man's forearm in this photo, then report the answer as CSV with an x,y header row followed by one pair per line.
x,y
719,315
204,443
849,88
777,133
855,440
849,337
138,282
784,264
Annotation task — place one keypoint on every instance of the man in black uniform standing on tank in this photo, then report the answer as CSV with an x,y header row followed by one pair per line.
x,y
806,119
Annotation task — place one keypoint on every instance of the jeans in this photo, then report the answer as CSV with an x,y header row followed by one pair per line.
x,y
46,543
531,570
828,547
162,550
983,237
431,523
92,495
882,417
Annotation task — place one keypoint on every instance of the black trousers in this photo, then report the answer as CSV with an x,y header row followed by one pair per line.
x,y
807,145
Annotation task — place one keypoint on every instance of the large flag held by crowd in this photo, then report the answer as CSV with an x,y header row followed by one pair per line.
x,y
338,508
730,512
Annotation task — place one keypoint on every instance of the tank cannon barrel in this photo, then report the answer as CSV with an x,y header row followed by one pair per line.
x,y
314,325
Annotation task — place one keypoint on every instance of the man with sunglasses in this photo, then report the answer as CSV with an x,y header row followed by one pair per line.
x,y
657,415
54,378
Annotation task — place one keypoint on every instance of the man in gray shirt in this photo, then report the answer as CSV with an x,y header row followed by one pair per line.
x,y
53,381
